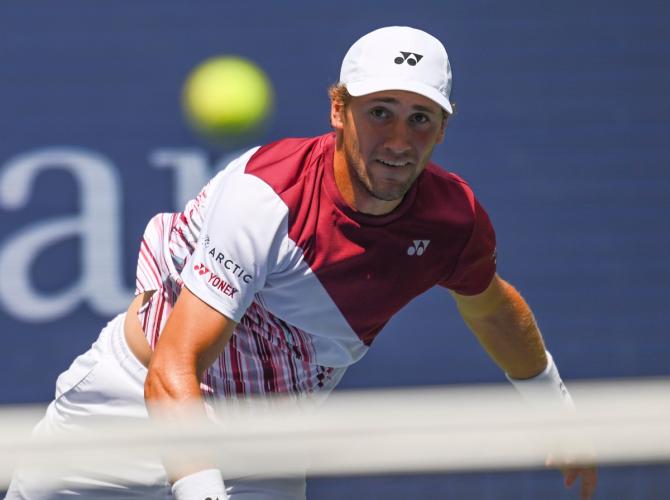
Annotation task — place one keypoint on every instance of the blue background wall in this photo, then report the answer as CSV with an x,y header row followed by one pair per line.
x,y
562,129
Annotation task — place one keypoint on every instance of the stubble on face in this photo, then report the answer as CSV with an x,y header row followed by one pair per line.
x,y
364,175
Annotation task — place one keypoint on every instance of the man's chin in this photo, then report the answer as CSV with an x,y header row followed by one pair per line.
x,y
389,194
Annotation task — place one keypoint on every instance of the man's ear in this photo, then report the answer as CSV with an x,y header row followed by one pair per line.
x,y
337,110
440,136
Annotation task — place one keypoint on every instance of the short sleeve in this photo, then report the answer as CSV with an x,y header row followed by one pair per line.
x,y
477,262
239,244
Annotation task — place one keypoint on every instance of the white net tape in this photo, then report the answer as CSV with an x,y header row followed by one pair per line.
x,y
440,429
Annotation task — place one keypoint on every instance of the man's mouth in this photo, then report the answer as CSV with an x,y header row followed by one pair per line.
x,y
394,163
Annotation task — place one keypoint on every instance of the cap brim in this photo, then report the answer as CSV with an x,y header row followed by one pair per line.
x,y
370,86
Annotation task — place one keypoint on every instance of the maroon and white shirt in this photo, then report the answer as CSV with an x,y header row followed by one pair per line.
x,y
271,244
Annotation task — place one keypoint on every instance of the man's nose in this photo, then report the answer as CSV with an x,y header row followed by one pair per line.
x,y
398,140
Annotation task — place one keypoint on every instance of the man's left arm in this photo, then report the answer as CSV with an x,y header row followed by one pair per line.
x,y
506,328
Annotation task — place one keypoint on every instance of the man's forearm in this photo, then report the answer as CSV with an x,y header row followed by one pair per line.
x,y
175,398
193,337
172,387
176,386
507,330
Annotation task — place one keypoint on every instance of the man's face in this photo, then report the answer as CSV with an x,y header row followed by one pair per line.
x,y
388,138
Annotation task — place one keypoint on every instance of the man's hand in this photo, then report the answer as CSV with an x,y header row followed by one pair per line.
x,y
589,478
587,473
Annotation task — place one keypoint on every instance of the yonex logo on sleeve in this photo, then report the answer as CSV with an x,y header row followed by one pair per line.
x,y
418,247
410,57
215,281
201,269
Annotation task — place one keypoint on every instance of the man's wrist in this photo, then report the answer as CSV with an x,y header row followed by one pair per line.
x,y
203,485
546,387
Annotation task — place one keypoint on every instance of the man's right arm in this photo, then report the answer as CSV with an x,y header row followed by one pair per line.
x,y
194,336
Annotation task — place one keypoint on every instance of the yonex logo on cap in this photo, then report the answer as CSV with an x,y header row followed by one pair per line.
x,y
418,247
410,57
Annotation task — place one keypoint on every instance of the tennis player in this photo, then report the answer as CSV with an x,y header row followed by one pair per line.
x,y
283,270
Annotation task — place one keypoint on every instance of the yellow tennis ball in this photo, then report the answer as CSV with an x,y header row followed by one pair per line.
x,y
227,96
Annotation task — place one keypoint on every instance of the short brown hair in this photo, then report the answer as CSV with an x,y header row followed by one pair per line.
x,y
338,93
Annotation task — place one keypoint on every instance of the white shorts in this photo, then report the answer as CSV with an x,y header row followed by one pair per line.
x,y
108,381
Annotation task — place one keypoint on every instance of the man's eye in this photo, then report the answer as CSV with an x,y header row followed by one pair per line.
x,y
420,118
379,112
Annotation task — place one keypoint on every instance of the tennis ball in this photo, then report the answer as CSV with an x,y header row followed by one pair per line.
x,y
226,97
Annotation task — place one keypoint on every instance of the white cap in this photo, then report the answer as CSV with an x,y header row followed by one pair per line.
x,y
398,58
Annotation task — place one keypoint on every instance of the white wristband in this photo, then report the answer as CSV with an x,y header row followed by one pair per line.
x,y
546,388
203,485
